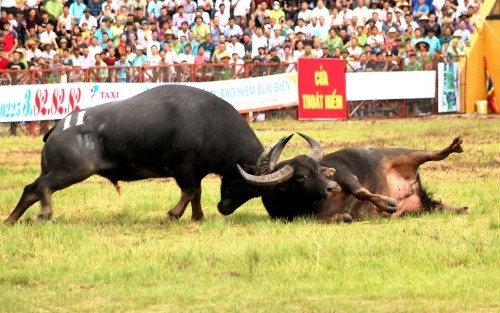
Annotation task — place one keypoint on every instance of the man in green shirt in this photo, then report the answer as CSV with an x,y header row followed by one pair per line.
x,y
412,64
333,41
54,8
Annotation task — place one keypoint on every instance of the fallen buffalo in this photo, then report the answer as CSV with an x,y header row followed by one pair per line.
x,y
168,131
373,182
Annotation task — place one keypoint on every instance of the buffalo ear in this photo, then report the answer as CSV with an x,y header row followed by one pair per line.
x,y
327,171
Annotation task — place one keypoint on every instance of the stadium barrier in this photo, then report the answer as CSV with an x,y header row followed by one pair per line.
x,y
217,73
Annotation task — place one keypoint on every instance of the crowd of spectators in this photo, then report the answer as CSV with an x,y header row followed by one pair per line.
x,y
373,35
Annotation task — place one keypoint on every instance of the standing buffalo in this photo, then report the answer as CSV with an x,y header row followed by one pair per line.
x,y
373,182
168,131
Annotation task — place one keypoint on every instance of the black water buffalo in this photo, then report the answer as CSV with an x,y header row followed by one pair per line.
x,y
373,182
168,131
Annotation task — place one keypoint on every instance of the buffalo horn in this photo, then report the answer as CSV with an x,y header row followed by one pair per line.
x,y
317,150
268,159
271,179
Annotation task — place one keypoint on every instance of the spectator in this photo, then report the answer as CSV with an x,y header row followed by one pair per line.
x,y
123,72
99,70
354,50
54,8
66,60
239,65
420,9
76,9
200,28
86,61
10,42
433,41
140,57
425,58
434,25
412,64
223,15
88,19
232,29
32,51
447,36
277,11
456,48
304,13
308,53
48,51
464,32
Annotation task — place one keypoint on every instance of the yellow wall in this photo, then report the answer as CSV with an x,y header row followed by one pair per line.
x,y
484,45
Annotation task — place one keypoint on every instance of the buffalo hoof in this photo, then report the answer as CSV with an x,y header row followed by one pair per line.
x,y
347,218
456,145
462,211
197,217
387,204
43,217
172,216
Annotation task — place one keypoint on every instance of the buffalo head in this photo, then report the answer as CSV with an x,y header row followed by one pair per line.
x,y
293,187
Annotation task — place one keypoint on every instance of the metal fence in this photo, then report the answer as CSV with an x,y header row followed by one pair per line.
x,y
219,72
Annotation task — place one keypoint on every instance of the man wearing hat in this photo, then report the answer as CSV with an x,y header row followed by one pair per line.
x,y
88,19
32,50
276,38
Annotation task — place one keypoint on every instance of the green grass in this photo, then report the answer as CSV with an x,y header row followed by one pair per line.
x,y
108,253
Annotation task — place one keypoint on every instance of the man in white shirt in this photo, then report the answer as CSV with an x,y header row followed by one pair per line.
x,y
234,46
304,12
362,12
232,29
94,48
89,19
276,38
48,36
258,41
223,15
241,8
345,15
320,10
302,27
186,56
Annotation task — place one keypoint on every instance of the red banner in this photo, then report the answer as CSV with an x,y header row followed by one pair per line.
x,y
321,89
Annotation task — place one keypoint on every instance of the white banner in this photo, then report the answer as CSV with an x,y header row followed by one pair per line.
x,y
54,101
390,85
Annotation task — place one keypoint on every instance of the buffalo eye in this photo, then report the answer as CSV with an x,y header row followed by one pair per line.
x,y
301,177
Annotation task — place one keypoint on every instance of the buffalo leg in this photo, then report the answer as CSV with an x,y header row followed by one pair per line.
x,y
42,190
177,211
28,198
407,164
197,212
351,183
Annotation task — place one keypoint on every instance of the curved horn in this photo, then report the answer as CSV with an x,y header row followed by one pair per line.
x,y
271,179
317,150
268,159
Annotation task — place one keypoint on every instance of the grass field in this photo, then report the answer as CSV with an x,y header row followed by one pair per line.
x,y
108,253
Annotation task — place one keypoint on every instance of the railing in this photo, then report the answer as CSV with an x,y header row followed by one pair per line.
x,y
219,72
133,74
